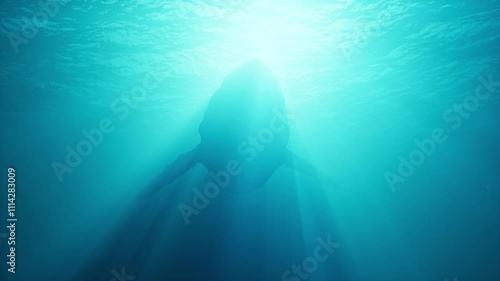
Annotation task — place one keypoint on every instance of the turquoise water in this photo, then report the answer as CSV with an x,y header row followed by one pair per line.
x,y
392,101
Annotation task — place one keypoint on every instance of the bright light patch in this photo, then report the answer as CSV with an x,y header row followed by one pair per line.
x,y
270,32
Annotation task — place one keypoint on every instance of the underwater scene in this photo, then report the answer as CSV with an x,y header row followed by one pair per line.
x,y
158,140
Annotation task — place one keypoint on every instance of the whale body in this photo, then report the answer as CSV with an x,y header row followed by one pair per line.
x,y
244,134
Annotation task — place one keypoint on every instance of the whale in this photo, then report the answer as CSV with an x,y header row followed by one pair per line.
x,y
244,135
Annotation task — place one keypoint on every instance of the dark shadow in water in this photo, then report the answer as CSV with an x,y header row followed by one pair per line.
x,y
244,134
244,138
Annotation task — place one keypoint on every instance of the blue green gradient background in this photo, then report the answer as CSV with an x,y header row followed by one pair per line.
x,y
362,80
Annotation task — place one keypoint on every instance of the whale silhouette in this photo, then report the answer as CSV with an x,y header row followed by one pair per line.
x,y
244,135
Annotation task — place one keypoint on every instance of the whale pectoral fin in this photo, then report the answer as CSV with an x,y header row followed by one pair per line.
x,y
298,163
171,172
